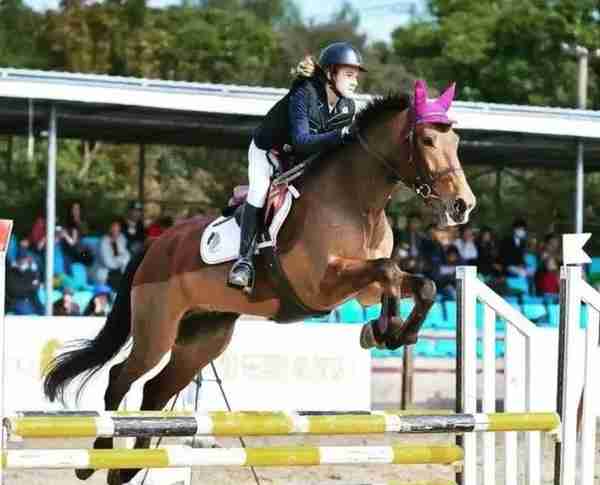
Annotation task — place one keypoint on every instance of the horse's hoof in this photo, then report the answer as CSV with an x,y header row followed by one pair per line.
x,y
400,339
367,337
84,473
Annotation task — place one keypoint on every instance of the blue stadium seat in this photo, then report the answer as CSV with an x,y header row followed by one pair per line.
x,y
450,309
406,306
41,294
518,284
535,311
59,259
583,316
384,353
93,242
79,278
11,251
500,348
531,261
595,265
435,317
82,298
372,312
550,298
445,348
425,348
535,300
553,315
351,312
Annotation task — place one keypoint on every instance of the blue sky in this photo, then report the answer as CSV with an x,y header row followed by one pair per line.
x,y
378,17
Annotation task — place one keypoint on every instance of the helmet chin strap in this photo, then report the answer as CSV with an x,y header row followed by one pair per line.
x,y
334,87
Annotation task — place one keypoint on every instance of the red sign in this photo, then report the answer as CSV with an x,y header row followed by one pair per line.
x,y
5,230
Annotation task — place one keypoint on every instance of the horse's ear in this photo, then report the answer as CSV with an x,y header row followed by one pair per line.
x,y
447,97
420,94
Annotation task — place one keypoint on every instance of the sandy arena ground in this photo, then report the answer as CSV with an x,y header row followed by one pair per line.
x,y
434,389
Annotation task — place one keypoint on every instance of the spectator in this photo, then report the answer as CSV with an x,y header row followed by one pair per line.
x,y
159,226
446,282
487,253
66,306
99,305
408,243
433,253
22,283
547,278
551,247
466,246
113,256
133,227
71,236
513,248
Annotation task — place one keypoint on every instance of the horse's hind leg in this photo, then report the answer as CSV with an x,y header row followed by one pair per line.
x,y
154,334
211,338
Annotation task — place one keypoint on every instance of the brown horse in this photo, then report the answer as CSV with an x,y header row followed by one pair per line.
x,y
336,245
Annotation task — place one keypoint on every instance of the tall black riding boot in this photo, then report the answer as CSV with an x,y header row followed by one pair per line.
x,y
242,271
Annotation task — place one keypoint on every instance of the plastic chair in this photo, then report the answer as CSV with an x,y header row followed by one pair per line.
x,y
372,312
82,298
518,284
11,251
535,311
406,307
79,277
594,265
533,300
59,259
553,315
435,317
351,312
531,261
450,309
41,294
425,348
445,348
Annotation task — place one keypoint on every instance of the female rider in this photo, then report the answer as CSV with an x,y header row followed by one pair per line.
x,y
314,116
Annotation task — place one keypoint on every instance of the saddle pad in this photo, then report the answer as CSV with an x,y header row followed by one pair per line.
x,y
220,241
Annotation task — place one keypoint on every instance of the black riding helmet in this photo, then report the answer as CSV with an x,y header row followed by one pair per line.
x,y
341,53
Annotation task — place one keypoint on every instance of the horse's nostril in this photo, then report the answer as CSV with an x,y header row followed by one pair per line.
x,y
460,206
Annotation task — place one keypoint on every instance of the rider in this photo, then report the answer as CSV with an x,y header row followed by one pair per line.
x,y
314,116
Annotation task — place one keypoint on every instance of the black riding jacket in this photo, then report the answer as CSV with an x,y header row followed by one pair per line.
x,y
302,120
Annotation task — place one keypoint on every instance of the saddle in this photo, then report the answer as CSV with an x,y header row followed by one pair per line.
x,y
221,239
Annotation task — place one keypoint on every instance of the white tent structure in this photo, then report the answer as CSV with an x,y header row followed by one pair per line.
x,y
144,111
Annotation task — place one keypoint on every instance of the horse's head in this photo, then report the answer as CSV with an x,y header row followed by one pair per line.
x,y
439,177
416,145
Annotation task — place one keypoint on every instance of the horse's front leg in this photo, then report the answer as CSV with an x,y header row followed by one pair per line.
x,y
345,276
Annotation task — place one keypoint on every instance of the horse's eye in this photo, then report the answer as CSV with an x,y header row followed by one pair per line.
x,y
428,141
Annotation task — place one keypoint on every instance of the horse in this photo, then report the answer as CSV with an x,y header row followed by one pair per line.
x,y
335,245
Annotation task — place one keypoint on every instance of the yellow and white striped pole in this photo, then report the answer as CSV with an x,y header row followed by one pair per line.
x,y
181,456
270,424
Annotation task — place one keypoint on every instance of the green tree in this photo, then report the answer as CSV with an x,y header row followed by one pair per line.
x,y
502,51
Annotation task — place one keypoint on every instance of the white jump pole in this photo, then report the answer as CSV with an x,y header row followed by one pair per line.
x,y
5,232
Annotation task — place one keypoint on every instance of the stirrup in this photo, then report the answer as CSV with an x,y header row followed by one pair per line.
x,y
241,275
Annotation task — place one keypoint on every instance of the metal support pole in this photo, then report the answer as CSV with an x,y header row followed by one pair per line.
x,y
582,81
50,208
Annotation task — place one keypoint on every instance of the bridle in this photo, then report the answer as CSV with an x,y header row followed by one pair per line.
x,y
424,183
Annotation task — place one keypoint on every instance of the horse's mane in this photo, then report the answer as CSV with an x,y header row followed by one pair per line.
x,y
379,105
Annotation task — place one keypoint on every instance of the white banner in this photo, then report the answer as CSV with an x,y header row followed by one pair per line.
x,y
267,366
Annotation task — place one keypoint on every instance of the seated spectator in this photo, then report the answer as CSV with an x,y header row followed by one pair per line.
x,y
433,253
133,227
66,306
159,226
113,256
466,246
547,278
408,242
551,248
99,305
513,248
487,253
22,283
446,282
71,236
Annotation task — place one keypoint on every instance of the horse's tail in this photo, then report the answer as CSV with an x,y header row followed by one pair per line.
x,y
88,356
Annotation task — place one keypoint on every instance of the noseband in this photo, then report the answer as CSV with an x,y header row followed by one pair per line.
x,y
424,182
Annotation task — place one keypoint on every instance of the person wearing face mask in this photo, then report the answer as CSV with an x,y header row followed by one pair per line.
x,y
513,248
22,282
315,116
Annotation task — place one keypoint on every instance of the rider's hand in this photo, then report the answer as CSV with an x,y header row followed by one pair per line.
x,y
305,68
349,133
